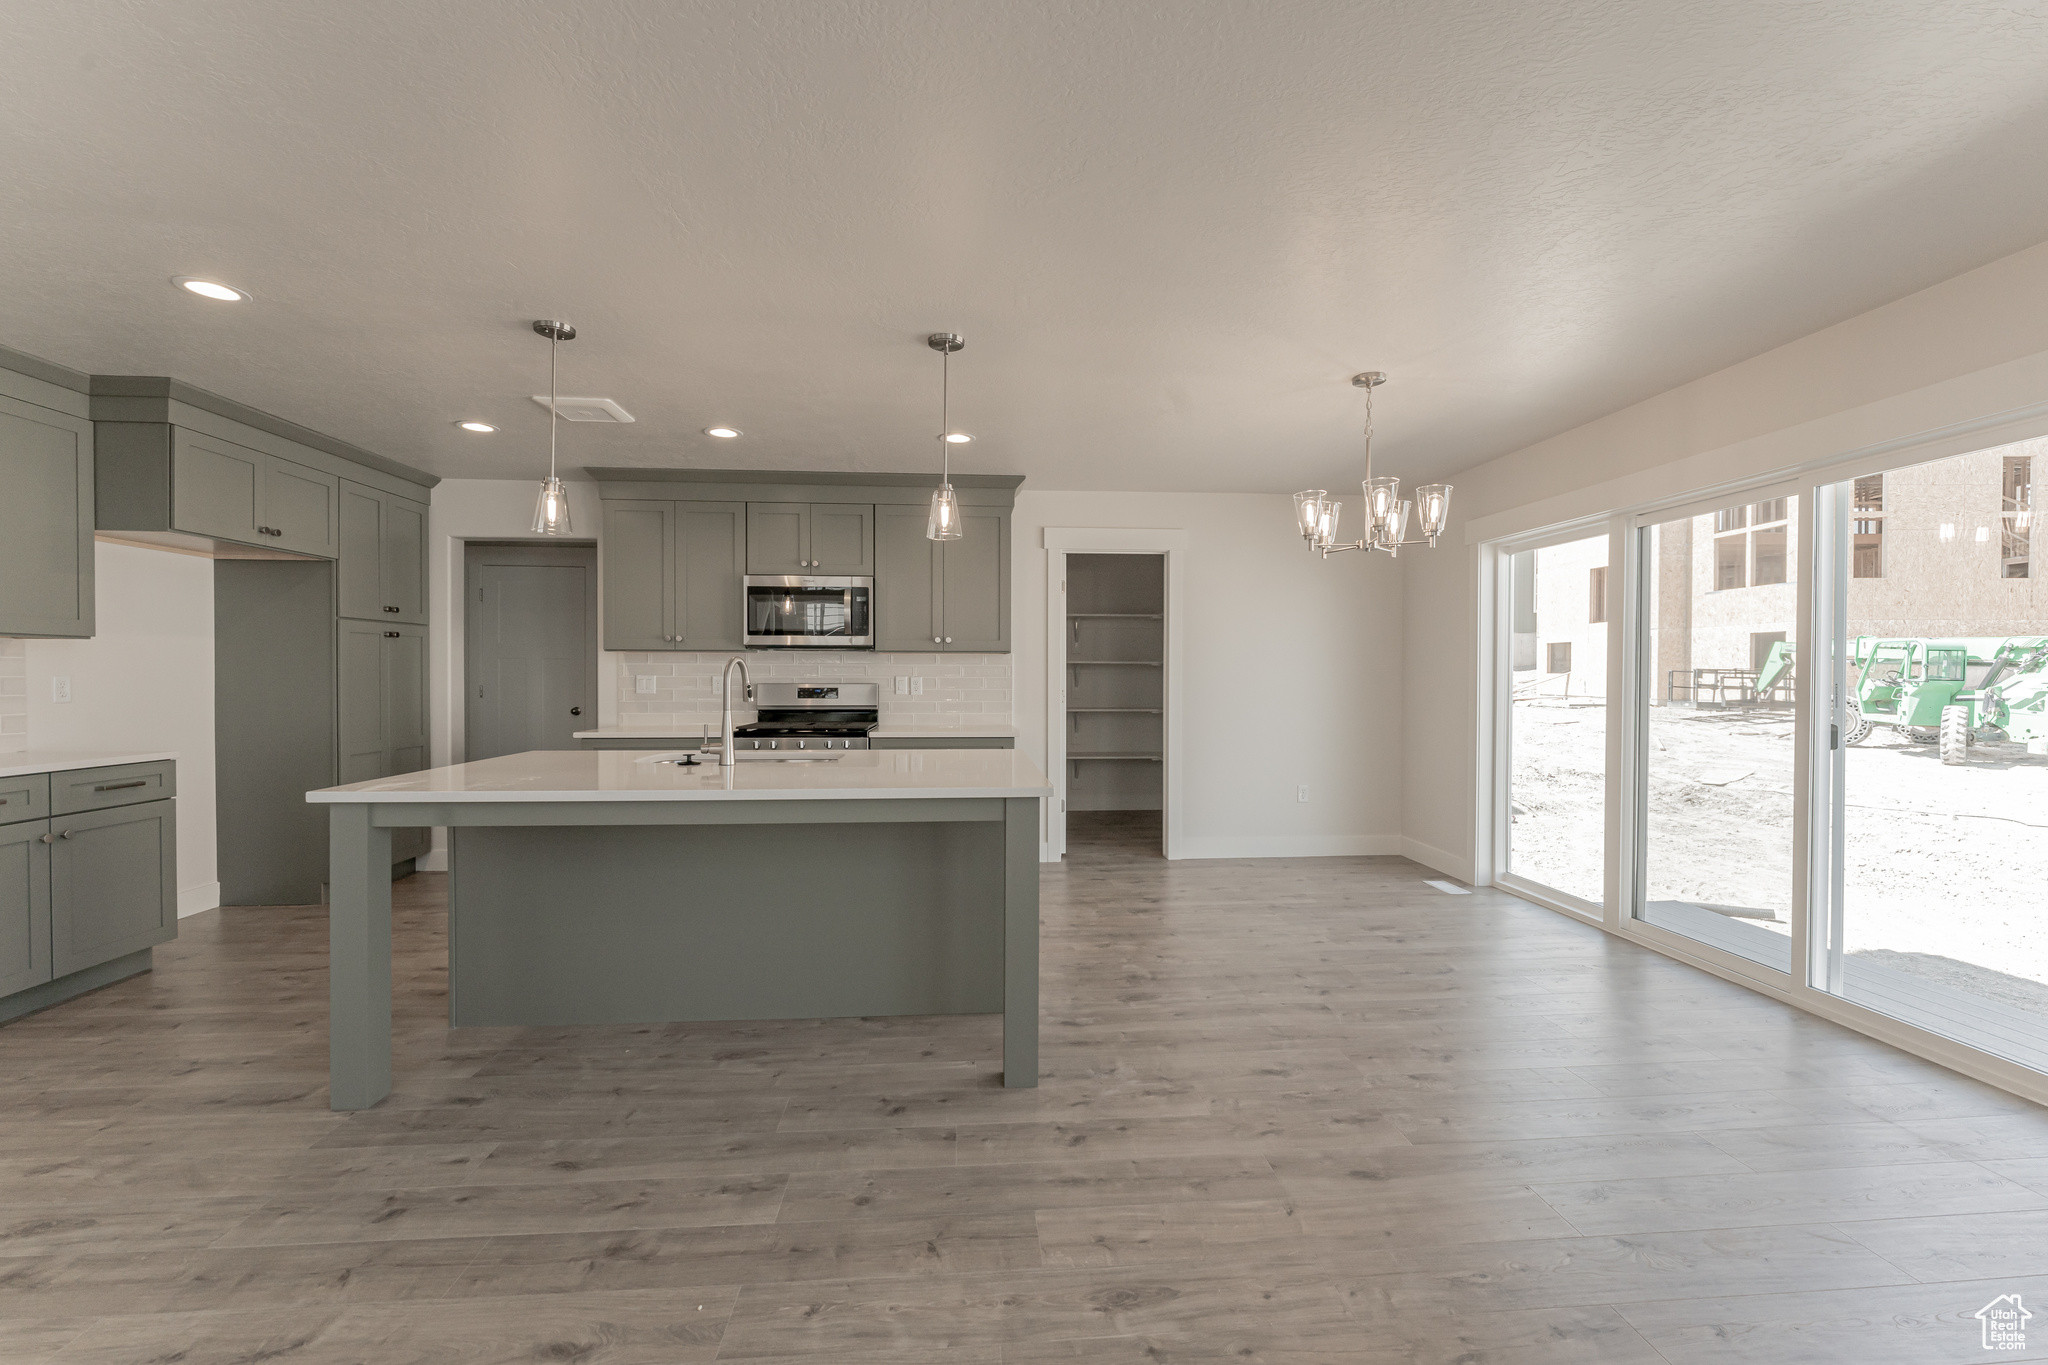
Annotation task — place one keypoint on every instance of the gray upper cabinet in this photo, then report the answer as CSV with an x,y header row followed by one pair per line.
x,y
228,492
810,538
951,595
216,488
299,507
672,574
711,558
974,584
637,562
382,552
906,582
46,522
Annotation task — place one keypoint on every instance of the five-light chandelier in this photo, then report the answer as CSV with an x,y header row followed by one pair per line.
x,y
1386,511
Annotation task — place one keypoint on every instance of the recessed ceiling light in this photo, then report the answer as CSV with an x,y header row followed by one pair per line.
x,y
958,438
722,433
476,426
210,289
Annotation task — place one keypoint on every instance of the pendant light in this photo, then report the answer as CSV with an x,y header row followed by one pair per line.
x,y
551,509
1386,512
944,521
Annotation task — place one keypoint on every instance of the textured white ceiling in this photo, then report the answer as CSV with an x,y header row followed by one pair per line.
x,y
1169,232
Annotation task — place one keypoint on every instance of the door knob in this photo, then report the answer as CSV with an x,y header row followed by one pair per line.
x,y
575,710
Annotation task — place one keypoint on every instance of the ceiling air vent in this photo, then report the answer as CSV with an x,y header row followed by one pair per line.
x,y
586,409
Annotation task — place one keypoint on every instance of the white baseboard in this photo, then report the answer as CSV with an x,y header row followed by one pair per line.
x,y
194,899
1291,846
1432,857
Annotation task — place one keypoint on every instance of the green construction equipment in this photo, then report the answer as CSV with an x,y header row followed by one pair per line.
x,y
1952,692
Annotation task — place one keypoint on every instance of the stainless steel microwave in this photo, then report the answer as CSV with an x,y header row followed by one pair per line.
x,y
809,611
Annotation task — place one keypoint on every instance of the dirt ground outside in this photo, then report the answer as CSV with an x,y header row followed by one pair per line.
x,y
1945,865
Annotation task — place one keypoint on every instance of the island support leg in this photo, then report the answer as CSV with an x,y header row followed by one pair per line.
x,y
358,958
1020,942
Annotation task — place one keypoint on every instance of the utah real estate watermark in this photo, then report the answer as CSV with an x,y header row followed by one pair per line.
x,y
2005,1323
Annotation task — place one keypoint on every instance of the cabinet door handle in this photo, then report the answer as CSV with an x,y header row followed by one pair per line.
x,y
949,639
391,609
47,838
391,634
121,786
575,710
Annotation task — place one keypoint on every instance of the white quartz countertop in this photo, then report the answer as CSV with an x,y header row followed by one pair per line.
x,y
695,731
23,761
631,775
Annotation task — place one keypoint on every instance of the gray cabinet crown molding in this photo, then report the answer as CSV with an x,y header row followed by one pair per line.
x,y
155,398
783,485
34,380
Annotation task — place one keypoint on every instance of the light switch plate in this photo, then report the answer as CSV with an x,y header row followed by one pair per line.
x,y
902,686
1301,792
643,684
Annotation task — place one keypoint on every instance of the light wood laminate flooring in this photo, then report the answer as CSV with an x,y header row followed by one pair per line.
x,y
1293,1112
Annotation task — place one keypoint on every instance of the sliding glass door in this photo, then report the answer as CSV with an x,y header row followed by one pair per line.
x,y
1717,660
1933,908
1555,610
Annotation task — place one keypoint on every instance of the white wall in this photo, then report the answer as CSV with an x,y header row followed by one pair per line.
x,y
1963,364
143,681
1290,674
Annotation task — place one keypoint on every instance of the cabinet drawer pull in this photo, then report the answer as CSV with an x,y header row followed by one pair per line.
x,y
391,609
64,834
47,838
391,634
121,786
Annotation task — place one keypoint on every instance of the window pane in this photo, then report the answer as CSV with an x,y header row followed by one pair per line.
x,y
1729,552
1867,546
1731,519
1717,754
1770,556
1596,594
1763,512
1940,794
1557,721
1870,493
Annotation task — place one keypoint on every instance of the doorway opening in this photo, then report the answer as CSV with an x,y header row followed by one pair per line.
x,y
529,647
1115,726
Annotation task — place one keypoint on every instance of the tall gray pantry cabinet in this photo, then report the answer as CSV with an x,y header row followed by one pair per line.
x,y
320,609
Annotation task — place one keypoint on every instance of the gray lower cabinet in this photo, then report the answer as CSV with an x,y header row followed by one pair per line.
x,y
381,569
810,538
24,905
88,884
381,695
943,742
672,574
944,596
113,883
46,522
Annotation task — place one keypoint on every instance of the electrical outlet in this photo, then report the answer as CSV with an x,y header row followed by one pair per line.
x,y
1301,792
902,686
643,684
60,689
917,687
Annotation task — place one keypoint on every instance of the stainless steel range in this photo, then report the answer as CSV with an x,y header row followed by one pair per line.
x,y
811,716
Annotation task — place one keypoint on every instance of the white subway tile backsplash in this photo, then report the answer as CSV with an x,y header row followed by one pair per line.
x,y
13,695
959,689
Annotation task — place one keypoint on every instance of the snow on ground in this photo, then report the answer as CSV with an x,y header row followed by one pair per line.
x,y
1944,864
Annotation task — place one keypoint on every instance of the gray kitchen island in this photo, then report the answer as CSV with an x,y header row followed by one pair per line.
x,y
613,886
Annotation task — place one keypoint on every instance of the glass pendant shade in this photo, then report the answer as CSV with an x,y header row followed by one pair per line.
x,y
1397,524
1381,493
1326,525
551,509
943,523
1308,510
1433,508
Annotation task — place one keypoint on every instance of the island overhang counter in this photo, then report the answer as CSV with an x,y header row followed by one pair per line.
x,y
614,886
